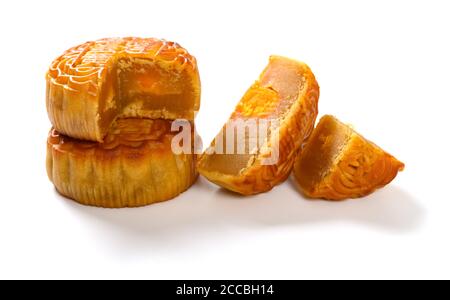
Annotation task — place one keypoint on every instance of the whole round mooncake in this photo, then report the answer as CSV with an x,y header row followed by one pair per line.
x,y
134,166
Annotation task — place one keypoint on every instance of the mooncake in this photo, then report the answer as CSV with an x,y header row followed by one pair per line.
x,y
91,85
286,95
133,166
338,163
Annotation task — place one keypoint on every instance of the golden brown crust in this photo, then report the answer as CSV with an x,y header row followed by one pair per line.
x,y
135,166
296,123
358,168
79,83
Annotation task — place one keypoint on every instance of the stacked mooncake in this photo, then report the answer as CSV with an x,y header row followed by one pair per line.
x,y
112,104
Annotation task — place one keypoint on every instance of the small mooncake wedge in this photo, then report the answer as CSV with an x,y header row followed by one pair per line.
x,y
338,163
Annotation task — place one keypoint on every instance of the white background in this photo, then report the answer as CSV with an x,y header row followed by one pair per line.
x,y
382,66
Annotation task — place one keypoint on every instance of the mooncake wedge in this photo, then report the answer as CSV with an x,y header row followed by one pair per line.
x,y
134,166
285,102
91,85
338,163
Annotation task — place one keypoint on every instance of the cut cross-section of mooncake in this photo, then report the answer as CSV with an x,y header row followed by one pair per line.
x,y
286,96
92,84
134,166
338,163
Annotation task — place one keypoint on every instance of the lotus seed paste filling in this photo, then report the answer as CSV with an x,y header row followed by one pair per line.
x,y
138,87
323,149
